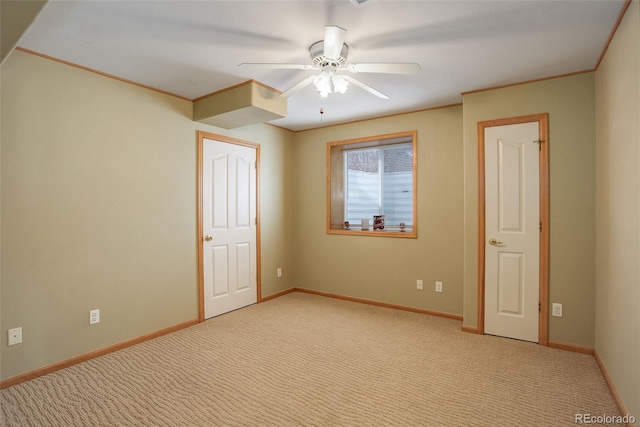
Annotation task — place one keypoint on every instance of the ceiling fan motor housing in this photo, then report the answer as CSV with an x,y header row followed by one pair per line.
x,y
319,60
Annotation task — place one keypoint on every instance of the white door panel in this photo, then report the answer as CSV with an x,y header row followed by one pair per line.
x,y
510,283
219,188
229,220
244,278
512,206
218,260
244,177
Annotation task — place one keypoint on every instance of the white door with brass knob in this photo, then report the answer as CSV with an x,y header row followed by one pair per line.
x,y
229,226
512,215
494,242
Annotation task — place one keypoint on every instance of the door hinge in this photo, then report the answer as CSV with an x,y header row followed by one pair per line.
x,y
539,142
256,220
256,164
539,307
540,226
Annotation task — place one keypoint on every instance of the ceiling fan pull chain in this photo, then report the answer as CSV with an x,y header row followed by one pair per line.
x,y
321,114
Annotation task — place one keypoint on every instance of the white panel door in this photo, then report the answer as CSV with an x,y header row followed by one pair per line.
x,y
229,226
512,218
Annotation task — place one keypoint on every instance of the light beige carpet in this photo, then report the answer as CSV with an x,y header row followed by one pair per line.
x,y
305,360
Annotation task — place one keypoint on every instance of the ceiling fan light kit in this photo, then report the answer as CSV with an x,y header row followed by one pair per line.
x,y
329,56
328,82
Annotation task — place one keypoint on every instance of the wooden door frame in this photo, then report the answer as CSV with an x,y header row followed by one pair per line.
x,y
543,130
201,136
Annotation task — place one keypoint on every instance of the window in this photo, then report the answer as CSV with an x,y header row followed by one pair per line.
x,y
369,177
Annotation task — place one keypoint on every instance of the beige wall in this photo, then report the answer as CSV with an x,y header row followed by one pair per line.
x,y
99,210
570,104
15,18
618,210
382,268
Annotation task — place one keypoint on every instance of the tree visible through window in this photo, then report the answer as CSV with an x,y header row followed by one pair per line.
x,y
372,176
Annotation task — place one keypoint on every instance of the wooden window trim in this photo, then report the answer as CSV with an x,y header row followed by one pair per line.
x,y
335,177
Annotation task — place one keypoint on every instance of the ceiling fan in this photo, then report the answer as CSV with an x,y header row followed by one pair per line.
x,y
329,56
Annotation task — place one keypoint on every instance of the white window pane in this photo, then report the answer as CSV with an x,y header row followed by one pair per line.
x,y
398,198
370,193
363,195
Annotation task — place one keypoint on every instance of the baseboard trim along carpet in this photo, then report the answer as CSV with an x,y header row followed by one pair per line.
x,y
277,294
9,382
304,359
382,304
572,347
612,386
470,329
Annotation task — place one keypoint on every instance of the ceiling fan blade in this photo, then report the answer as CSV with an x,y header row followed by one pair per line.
x,y
333,41
300,85
365,87
390,68
276,66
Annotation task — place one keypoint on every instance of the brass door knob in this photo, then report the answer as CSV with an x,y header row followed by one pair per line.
x,y
208,238
494,242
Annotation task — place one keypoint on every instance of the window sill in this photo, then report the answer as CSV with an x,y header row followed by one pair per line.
x,y
409,234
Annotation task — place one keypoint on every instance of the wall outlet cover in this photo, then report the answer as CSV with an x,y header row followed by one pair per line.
x,y
94,316
14,336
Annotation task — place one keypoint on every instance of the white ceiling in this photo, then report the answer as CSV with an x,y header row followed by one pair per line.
x,y
193,48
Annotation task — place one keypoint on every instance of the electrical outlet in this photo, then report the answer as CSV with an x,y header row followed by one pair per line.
x,y
94,316
419,285
279,272
438,286
14,336
556,309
